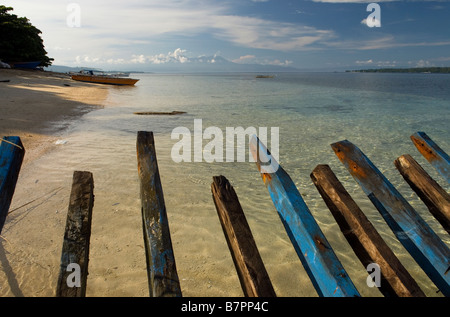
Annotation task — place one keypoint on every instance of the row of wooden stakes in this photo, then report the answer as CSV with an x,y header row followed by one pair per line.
x,y
316,254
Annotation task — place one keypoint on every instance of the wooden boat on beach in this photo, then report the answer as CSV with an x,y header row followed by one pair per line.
x,y
90,77
25,65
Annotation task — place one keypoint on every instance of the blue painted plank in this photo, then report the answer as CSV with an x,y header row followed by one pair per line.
x,y
433,153
429,251
161,269
11,157
321,263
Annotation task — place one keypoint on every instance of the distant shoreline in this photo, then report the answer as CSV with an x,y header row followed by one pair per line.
x,y
420,70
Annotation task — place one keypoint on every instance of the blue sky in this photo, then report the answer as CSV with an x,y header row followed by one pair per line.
x,y
306,34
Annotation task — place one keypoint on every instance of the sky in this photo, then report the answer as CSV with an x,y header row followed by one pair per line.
x,y
305,34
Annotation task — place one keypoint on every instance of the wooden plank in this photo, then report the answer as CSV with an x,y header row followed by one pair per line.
x,y
362,236
429,251
432,153
161,269
434,196
252,273
11,157
318,258
75,251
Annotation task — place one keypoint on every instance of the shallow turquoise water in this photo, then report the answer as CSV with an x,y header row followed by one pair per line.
x,y
377,112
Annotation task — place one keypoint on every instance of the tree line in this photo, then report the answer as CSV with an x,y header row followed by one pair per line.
x,y
20,41
434,70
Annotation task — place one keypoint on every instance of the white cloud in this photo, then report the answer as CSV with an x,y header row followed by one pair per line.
x,y
263,34
385,42
371,62
369,1
351,1
374,23
177,56
113,29
244,59
277,62
387,63
423,63
252,59
138,59
368,62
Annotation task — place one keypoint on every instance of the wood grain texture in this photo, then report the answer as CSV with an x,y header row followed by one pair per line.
x,y
161,268
77,235
432,153
432,194
252,273
429,251
318,258
362,236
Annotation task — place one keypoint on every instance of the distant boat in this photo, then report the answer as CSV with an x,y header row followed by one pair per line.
x,y
265,76
26,65
120,74
103,79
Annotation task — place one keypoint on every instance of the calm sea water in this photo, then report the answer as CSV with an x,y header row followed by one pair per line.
x,y
377,112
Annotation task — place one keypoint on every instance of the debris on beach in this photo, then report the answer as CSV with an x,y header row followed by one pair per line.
x,y
160,113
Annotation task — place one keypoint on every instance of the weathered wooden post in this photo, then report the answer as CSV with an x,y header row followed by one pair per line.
x,y
75,251
434,196
429,251
11,157
432,153
362,236
252,273
318,258
161,269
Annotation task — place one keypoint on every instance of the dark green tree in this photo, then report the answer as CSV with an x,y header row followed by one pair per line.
x,y
20,41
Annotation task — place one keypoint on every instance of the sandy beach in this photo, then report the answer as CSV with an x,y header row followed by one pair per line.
x,y
43,108
37,106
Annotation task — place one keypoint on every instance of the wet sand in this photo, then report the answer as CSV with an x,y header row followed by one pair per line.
x,y
37,106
